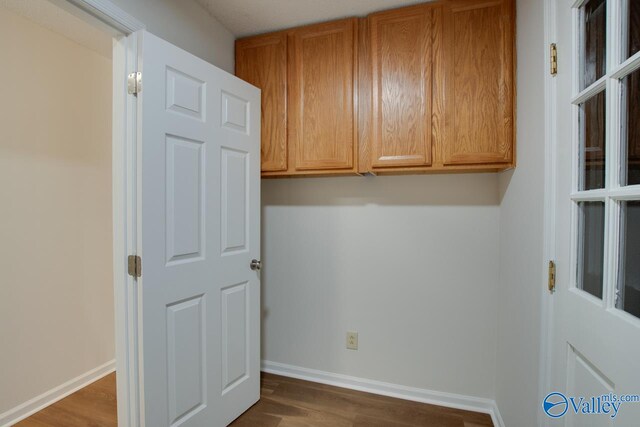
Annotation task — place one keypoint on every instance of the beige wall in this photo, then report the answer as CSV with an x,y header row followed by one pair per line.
x,y
56,292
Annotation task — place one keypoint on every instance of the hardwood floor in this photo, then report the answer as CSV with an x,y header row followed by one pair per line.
x,y
285,402
94,405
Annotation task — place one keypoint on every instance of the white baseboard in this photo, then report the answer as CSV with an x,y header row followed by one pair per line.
x,y
34,405
495,416
450,400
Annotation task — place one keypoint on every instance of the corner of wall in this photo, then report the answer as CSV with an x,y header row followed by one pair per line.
x,y
521,233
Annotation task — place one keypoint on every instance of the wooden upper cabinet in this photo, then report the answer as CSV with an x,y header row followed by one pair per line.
x,y
424,88
400,51
262,61
322,65
479,82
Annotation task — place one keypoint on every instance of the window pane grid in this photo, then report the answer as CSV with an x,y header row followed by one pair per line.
x,y
606,166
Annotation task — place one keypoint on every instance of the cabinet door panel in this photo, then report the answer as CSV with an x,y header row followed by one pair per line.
x,y
479,83
321,98
402,74
262,61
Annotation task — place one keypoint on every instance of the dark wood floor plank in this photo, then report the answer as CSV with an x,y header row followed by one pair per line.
x,y
350,403
468,416
364,421
257,416
293,413
285,402
94,405
32,422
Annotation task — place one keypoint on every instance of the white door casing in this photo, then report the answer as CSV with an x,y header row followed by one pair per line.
x,y
199,207
595,346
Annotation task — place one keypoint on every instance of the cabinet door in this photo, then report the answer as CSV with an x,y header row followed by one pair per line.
x,y
262,61
322,61
401,86
479,82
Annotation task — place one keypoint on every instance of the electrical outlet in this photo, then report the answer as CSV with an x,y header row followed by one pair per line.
x,y
352,340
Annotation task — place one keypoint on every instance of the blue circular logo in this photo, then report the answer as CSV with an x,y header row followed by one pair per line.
x,y
555,405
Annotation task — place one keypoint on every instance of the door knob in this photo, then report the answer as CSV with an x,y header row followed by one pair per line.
x,y
255,264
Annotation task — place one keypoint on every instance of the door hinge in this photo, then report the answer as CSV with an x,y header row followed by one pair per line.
x,y
135,266
134,83
553,59
552,276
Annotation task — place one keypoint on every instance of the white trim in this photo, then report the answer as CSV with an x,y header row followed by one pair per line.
x,y
587,93
545,354
627,67
110,14
449,400
124,230
47,398
125,219
598,195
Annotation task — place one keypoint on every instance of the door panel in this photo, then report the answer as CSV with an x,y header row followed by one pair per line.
x,y
186,358
234,206
185,192
401,46
234,113
479,82
321,99
235,309
200,171
185,94
262,61
583,378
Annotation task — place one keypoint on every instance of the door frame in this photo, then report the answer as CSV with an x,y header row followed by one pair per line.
x,y
547,308
125,189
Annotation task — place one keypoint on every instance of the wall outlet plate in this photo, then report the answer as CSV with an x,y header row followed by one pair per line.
x,y
352,340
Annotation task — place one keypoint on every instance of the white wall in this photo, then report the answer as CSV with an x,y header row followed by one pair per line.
x,y
409,262
521,233
187,25
56,291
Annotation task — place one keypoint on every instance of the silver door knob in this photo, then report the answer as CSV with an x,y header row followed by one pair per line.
x,y
255,264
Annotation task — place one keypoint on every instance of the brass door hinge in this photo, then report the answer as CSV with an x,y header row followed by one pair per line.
x,y
135,266
553,59
552,276
134,83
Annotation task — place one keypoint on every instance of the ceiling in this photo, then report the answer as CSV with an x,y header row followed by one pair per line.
x,y
249,17
55,18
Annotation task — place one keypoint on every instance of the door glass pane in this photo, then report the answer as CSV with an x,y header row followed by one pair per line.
x,y
628,296
592,143
591,247
594,15
631,129
633,27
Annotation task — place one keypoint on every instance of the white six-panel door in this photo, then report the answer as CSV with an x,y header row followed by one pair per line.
x,y
199,210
